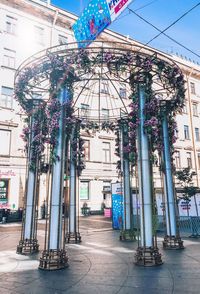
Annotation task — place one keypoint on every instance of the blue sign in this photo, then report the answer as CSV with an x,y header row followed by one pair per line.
x,y
93,20
117,206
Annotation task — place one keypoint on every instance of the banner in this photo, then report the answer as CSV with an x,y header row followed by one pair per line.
x,y
116,7
95,18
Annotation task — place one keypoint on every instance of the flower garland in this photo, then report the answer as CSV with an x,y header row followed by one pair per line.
x,y
64,70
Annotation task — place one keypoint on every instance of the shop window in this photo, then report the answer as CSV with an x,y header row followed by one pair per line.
x,y
5,138
6,99
4,188
84,190
9,57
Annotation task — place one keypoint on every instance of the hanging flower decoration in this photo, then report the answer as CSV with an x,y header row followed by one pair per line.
x,y
34,135
77,145
62,69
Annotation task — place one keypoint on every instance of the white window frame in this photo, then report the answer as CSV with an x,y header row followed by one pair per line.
x,y
5,138
6,101
9,58
106,152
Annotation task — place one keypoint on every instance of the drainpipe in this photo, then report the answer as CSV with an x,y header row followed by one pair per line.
x,y
53,25
192,133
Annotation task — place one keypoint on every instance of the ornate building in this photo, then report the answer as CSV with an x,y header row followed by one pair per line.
x,y
27,27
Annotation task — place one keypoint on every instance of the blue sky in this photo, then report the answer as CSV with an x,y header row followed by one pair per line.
x,y
161,13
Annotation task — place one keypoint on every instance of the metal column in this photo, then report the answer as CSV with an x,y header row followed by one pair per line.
x,y
172,240
147,253
73,235
55,256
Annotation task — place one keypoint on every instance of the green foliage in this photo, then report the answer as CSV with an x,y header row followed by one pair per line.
x,y
185,178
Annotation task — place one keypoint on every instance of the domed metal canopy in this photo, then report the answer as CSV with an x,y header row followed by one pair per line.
x,y
102,77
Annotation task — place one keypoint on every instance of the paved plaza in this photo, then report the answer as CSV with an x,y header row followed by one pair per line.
x,y
100,264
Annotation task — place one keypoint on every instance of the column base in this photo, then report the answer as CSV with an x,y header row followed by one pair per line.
x,y
73,238
53,259
127,235
172,242
27,246
148,256
195,236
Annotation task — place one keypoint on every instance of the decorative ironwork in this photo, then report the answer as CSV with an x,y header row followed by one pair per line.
x,y
148,256
173,242
53,260
73,238
28,246
100,70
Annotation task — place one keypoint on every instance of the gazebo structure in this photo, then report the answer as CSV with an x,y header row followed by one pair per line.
x,y
50,86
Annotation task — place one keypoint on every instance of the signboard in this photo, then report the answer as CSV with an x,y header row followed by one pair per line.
x,y
4,190
117,206
96,17
183,206
116,7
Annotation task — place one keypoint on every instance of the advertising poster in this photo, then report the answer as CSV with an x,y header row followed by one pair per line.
x,y
117,206
93,20
97,16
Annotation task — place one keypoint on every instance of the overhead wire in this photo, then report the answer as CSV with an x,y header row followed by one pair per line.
x,y
162,32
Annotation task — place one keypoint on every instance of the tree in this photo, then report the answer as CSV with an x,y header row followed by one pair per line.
x,y
185,178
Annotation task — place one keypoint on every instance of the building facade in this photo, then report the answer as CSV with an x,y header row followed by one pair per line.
x,y
29,26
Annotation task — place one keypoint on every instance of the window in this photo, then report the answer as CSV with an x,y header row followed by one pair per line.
x,y
186,132
192,88
198,158
189,159
62,40
84,190
5,137
104,87
39,35
185,110
106,152
11,25
195,109
4,188
85,108
177,159
197,134
105,113
87,149
122,92
6,99
106,186
9,58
